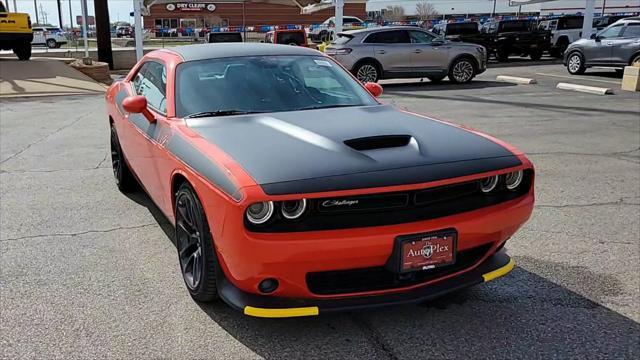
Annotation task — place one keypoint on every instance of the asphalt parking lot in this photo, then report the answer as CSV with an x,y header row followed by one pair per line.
x,y
87,272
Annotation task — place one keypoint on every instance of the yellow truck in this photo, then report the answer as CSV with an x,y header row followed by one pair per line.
x,y
15,33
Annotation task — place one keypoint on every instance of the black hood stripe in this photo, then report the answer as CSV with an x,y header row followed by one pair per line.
x,y
191,156
184,151
404,176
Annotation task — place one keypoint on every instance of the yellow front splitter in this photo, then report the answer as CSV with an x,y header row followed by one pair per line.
x,y
500,271
281,313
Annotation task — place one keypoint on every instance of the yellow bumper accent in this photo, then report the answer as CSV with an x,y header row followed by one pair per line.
x,y
499,272
280,313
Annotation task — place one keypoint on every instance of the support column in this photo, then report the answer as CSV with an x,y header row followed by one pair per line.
x,y
587,25
339,4
103,32
137,16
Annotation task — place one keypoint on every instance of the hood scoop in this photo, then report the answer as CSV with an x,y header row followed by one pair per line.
x,y
378,142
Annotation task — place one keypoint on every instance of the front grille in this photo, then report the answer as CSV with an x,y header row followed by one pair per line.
x,y
392,208
379,278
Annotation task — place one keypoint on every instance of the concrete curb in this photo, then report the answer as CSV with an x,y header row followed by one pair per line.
x,y
516,80
584,88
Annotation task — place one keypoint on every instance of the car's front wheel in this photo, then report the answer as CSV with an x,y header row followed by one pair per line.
x,y
23,51
52,44
124,178
462,70
575,64
367,72
198,262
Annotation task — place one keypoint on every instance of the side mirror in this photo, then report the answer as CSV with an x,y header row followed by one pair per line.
x,y
437,41
594,37
373,88
138,105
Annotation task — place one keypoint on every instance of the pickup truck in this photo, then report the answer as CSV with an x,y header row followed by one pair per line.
x,y
513,37
15,33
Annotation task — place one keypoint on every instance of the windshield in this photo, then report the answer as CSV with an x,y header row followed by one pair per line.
x,y
265,84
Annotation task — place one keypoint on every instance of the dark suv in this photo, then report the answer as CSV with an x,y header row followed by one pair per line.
x,y
616,46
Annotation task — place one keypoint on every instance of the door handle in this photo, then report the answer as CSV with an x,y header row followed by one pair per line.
x,y
382,52
610,43
417,51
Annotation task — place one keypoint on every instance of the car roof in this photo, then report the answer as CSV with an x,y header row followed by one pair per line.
x,y
222,50
381,28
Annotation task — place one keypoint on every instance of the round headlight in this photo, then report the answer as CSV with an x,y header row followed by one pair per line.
x,y
259,213
293,209
513,180
488,184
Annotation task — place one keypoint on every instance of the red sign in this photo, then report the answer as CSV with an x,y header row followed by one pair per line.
x,y
90,20
190,7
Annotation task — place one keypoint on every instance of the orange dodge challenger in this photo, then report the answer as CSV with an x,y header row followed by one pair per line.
x,y
294,192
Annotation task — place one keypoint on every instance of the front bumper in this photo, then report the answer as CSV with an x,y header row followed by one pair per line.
x,y
493,267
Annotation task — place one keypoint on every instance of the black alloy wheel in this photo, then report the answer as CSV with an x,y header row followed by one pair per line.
x,y
124,178
198,262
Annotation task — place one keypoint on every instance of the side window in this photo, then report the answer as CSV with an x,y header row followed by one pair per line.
x,y
419,37
389,37
151,82
611,32
632,31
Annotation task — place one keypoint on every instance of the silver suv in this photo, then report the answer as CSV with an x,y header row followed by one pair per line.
x,y
406,52
616,46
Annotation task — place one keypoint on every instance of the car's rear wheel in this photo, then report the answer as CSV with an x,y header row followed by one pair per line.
x,y
575,64
635,60
198,262
535,55
121,172
23,51
462,70
502,55
367,71
51,43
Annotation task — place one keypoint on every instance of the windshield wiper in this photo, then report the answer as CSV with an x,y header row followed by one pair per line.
x,y
219,113
326,106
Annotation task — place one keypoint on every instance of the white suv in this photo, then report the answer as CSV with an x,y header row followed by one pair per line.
x,y
52,37
326,30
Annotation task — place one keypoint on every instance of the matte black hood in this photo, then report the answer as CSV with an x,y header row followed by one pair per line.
x,y
349,148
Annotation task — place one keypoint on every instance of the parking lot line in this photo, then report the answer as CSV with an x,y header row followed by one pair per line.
x,y
580,78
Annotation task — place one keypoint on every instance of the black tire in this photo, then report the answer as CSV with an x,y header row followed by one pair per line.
x,y
196,254
52,43
436,79
561,47
23,51
575,64
636,59
125,180
502,55
535,55
367,71
462,70
323,35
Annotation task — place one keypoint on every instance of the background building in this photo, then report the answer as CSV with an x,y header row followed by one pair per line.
x,y
198,13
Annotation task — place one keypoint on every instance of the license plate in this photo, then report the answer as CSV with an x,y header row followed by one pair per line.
x,y
427,251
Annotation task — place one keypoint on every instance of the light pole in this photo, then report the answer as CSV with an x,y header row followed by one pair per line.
x,y
70,16
493,13
35,5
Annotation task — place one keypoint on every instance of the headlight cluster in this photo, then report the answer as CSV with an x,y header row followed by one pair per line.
x,y
511,181
260,212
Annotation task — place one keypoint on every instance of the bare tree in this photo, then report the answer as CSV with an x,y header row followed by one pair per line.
x,y
393,13
425,11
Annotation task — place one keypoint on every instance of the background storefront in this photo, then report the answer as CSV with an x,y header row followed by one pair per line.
x,y
199,14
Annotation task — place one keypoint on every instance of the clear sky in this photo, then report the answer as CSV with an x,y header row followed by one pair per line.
x,y
119,9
